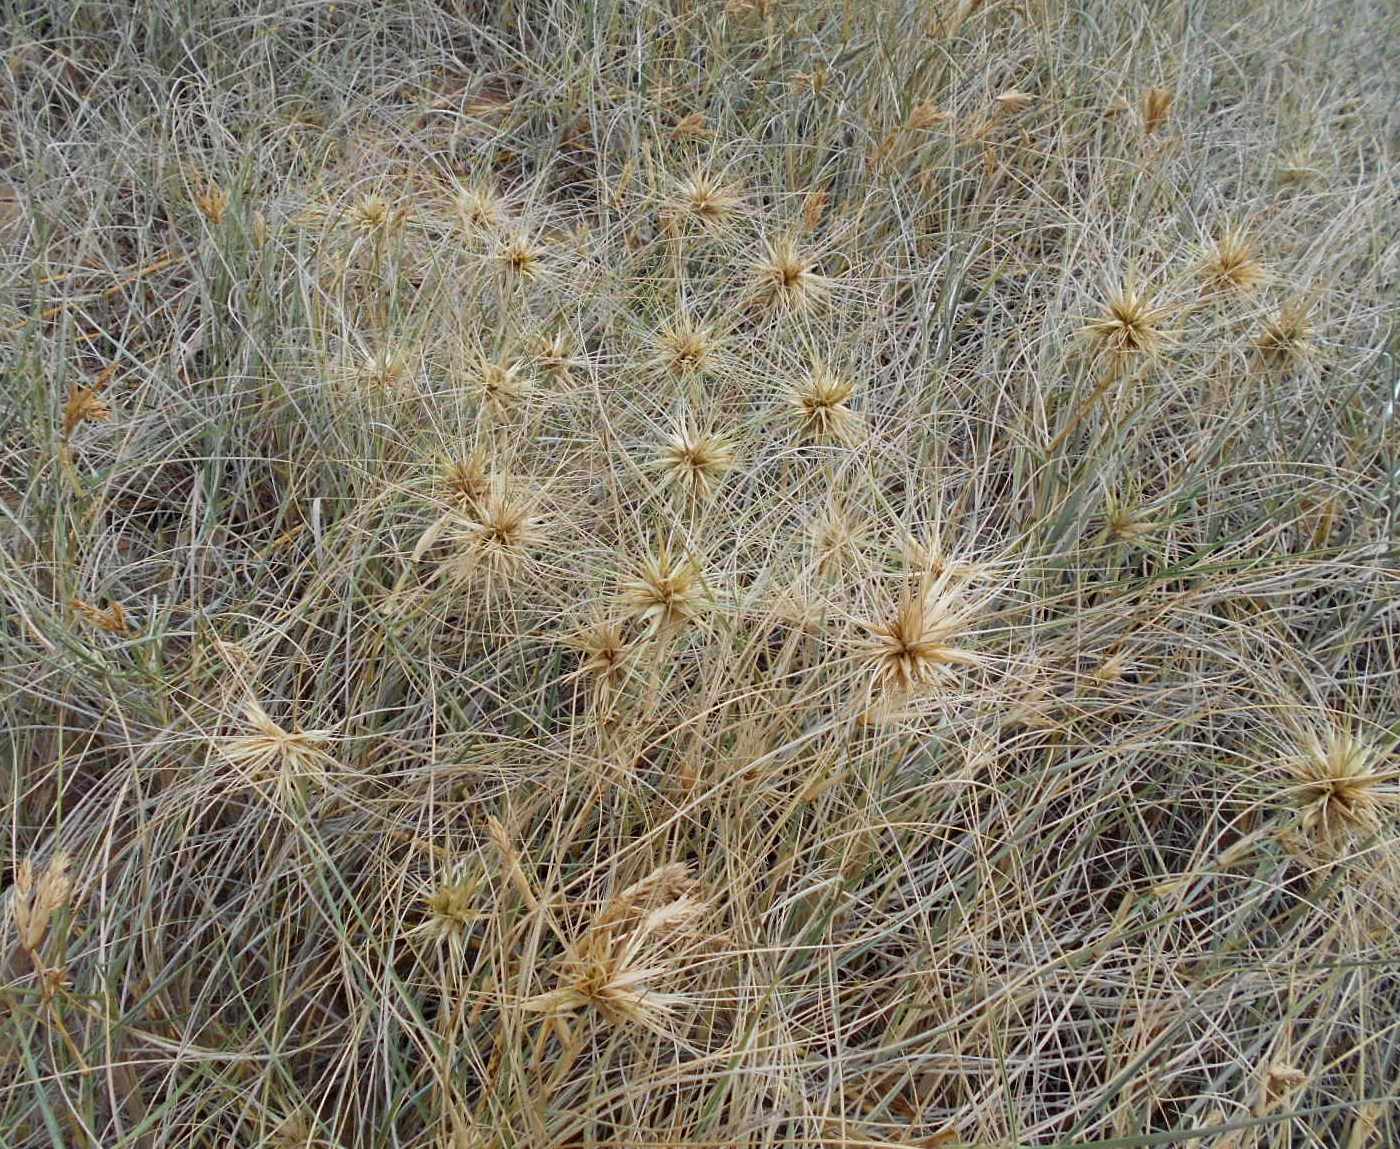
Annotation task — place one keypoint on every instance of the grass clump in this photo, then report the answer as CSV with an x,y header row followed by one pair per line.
x,y
669,574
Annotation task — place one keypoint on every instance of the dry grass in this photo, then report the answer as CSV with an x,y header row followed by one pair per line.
x,y
663,574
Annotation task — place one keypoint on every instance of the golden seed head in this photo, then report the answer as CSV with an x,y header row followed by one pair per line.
x,y
639,938
914,646
1156,108
480,208
684,347
113,620
371,215
664,591
500,384
467,479
693,462
785,280
212,202
451,911
691,127
814,207
704,199
924,116
35,901
84,405
1128,327
496,542
1339,790
520,257
605,658
820,402
1230,265
1286,336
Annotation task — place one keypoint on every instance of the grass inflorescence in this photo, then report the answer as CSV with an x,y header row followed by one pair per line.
x,y
690,574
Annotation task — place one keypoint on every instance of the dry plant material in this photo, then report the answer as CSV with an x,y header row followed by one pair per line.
x,y
665,590
786,281
693,462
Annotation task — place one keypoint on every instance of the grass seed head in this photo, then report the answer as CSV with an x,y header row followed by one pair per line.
x,y
684,347
1156,109
1012,101
212,202
702,198
265,749
820,404
497,541
480,207
372,216
915,646
384,369
34,902
500,384
555,356
521,257
1287,335
1128,328
113,619
693,462
786,281
1229,264
605,658
451,911
665,591
84,405
1338,787
467,479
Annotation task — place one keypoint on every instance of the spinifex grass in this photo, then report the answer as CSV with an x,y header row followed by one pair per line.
x,y
680,574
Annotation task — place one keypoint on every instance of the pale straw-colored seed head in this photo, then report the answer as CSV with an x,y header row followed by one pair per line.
x,y
372,216
1229,264
605,658
705,200
466,479
497,541
480,207
664,590
1012,101
500,384
263,750
692,461
521,257
1128,327
1339,787
556,356
684,347
835,536
918,643
819,403
384,368
1286,336
451,910
785,280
